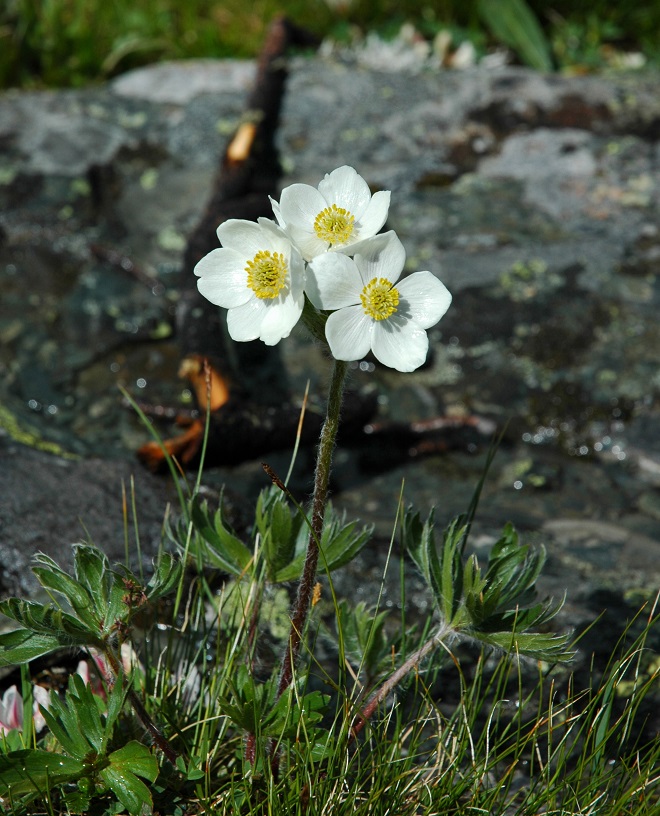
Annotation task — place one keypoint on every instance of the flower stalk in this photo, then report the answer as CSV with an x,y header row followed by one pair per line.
x,y
319,501
394,679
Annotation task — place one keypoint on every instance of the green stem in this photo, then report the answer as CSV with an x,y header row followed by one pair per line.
x,y
319,501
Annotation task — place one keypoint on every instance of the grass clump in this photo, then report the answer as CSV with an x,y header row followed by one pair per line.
x,y
189,720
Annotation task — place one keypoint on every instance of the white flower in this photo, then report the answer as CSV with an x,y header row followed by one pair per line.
x,y
259,276
372,314
341,213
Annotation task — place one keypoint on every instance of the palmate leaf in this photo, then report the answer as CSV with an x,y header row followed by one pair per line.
x,y
121,775
279,528
168,571
76,720
45,628
105,585
498,607
223,549
441,567
36,771
51,576
340,543
22,645
535,645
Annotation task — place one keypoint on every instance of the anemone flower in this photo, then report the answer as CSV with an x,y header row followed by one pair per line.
x,y
258,275
339,215
370,313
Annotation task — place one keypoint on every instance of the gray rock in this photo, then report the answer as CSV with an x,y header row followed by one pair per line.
x,y
535,199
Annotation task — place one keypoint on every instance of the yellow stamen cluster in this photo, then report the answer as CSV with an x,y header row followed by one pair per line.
x,y
334,225
266,274
379,299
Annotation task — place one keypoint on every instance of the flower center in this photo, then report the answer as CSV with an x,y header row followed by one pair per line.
x,y
379,299
266,274
334,225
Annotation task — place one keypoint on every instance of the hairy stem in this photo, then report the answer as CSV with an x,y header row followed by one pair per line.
x,y
321,480
394,679
158,737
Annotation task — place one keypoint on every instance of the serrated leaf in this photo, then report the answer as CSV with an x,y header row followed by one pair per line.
x,y
136,758
344,543
224,550
167,575
52,576
91,566
27,771
48,620
129,790
22,645
551,648
63,725
121,775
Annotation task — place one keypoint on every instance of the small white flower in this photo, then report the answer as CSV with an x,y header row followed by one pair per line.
x,y
258,276
372,314
336,216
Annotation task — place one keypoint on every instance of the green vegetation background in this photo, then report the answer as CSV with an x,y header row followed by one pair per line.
x,y
74,42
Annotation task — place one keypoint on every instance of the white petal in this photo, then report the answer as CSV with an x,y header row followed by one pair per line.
x,y
244,322
375,215
222,278
274,236
345,188
297,273
277,212
348,333
333,281
245,237
299,206
279,319
426,298
307,242
399,343
382,256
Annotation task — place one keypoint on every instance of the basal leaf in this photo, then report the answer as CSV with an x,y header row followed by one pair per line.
x,y
167,574
136,758
22,645
344,544
535,645
28,771
121,775
91,566
224,550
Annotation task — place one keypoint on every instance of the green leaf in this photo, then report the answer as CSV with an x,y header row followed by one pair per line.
x,y
121,776
224,550
22,645
37,771
340,543
92,570
52,576
513,23
365,643
279,529
137,758
167,575
535,645
48,620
